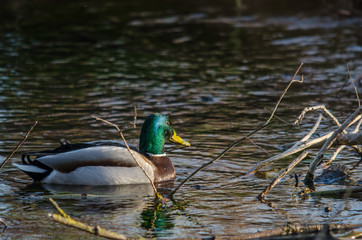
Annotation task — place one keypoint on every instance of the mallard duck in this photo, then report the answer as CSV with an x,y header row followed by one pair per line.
x,y
107,162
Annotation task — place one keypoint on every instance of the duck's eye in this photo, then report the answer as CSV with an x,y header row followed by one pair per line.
x,y
168,133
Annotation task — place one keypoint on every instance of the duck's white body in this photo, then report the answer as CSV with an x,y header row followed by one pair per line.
x,y
92,165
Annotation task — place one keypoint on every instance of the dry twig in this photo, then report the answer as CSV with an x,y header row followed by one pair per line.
x,y
67,220
19,144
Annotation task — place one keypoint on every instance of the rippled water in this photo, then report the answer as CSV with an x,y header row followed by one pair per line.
x,y
216,69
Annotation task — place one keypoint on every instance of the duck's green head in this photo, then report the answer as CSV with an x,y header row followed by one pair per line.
x,y
156,130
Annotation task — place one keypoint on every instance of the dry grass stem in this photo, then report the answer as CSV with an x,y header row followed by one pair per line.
x,y
354,86
282,174
19,144
129,150
67,220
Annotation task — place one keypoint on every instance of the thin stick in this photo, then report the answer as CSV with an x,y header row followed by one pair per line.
x,y
218,157
282,174
19,144
129,150
67,220
285,91
354,86
308,180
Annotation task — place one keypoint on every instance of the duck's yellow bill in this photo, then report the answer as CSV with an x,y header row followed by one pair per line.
x,y
176,139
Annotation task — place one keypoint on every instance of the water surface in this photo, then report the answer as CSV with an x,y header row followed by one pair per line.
x,y
217,70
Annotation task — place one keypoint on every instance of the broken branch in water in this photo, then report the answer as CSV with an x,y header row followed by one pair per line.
x,y
129,150
309,178
19,144
282,174
67,220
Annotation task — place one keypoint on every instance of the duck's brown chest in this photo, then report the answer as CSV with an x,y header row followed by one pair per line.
x,y
163,168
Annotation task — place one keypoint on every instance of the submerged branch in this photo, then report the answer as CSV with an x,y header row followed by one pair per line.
x,y
67,220
19,144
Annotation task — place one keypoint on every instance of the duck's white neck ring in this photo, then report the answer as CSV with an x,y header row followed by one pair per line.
x,y
156,155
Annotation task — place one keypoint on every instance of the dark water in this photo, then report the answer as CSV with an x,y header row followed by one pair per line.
x,y
217,69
